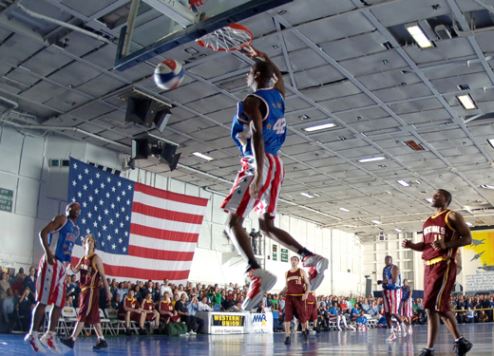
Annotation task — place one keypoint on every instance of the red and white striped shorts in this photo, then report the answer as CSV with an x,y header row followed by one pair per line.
x,y
240,202
392,300
50,284
406,308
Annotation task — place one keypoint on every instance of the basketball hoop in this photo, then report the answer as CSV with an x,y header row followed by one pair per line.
x,y
234,37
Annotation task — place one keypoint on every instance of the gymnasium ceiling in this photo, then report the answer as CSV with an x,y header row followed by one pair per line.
x,y
347,62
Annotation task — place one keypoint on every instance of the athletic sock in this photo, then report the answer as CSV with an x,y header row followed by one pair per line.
x,y
461,337
101,338
252,264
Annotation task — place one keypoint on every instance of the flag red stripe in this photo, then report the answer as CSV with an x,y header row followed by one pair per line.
x,y
182,198
166,214
141,273
163,234
139,251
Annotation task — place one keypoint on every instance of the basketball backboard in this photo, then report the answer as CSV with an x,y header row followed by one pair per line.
x,y
157,26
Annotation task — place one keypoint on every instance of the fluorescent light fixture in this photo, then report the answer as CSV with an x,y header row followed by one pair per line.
x,y
467,101
377,222
398,230
418,35
307,195
371,159
491,142
203,156
345,210
429,200
404,183
469,224
319,127
487,186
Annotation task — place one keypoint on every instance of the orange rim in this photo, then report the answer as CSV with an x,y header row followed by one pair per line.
x,y
207,40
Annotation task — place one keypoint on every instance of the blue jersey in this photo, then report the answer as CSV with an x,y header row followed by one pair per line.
x,y
405,293
361,320
388,275
333,311
67,236
273,125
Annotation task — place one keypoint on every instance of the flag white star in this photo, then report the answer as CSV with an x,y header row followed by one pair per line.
x,y
97,174
79,194
118,198
112,206
117,214
90,198
116,231
129,187
86,171
107,194
87,232
89,215
124,249
111,221
128,202
95,208
119,183
84,204
74,183
99,234
113,189
99,218
79,177
126,233
84,187
102,243
121,225
108,237
113,246
91,182
95,224
74,165
83,220
106,211
120,241
127,217
123,193
101,202
108,179
96,191
122,209
104,227
102,185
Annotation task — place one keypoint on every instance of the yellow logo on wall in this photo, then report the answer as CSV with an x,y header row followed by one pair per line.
x,y
483,249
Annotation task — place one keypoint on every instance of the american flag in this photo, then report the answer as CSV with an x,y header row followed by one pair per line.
x,y
141,232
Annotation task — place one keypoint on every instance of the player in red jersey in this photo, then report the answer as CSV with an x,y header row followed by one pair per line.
x,y
311,311
91,269
149,309
131,311
259,131
443,234
297,291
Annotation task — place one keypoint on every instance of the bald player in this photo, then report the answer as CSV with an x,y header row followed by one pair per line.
x,y
50,283
443,233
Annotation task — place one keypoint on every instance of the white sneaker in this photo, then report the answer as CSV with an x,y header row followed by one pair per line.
x,y
313,332
192,333
33,341
351,327
186,334
261,281
410,330
50,342
391,337
317,265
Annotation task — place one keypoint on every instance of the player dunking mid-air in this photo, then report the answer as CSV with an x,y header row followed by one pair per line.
x,y
91,268
259,130
443,234
297,291
406,311
391,283
50,283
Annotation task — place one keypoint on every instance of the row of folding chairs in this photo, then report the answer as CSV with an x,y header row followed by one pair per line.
x,y
110,324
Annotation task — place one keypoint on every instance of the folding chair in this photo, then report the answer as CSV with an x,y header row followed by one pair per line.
x,y
105,323
68,320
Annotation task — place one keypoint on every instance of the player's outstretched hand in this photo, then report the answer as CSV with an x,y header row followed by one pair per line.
x,y
439,245
406,243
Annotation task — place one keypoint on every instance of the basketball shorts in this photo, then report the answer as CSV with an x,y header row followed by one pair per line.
x,y
89,306
406,309
439,280
311,311
392,299
240,202
295,306
50,283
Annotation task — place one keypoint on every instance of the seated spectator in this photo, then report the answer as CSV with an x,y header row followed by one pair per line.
x,y
25,308
469,316
8,309
382,323
121,290
116,301
130,310
355,313
483,318
150,312
362,322
18,285
194,324
4,284
335,314
203,305
193,306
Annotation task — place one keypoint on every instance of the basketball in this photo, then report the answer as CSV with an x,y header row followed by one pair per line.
x,y
168,74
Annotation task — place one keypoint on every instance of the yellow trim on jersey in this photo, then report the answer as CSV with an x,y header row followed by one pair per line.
x,y
445,280
446,220
435,260
439,214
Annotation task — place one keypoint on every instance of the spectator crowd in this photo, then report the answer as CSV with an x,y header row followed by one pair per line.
x,y
164,302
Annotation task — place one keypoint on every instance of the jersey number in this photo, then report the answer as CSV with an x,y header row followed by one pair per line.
x,y
279,126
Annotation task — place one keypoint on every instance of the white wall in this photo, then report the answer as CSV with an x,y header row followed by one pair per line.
x,y
40,193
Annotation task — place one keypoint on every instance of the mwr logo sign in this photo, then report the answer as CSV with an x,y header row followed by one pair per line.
x,y
259,318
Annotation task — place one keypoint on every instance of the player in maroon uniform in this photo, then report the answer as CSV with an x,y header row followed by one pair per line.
x,y
443,234
311,311
297,291
166,310
91,269
131,311
149,309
